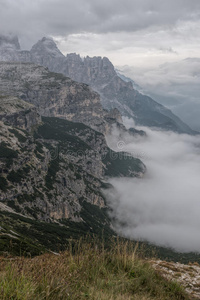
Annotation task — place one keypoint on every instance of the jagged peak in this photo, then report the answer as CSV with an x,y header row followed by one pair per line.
x,y
48,41
95,59
87,58
74,56
98,58
100,62
9,41
47,44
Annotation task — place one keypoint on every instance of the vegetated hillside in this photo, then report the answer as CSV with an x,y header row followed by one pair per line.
x,y
51,175
100,74
87,271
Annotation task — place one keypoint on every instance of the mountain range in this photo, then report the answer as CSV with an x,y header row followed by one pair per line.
x,y
55,112
101,76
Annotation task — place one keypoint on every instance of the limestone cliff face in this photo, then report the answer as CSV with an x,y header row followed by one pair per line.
x,y
18,113
54,94
95,71
49,167
41,180
44,176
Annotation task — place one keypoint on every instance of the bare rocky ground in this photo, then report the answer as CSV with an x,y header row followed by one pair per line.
x,y
187,275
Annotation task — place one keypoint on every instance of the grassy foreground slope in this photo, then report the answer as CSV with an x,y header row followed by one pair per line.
x,y
86,271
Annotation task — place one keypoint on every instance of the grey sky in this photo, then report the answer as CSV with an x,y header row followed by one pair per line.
x,y
128,31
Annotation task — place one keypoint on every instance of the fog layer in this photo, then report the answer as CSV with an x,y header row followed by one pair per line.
x,y
175,85
163,207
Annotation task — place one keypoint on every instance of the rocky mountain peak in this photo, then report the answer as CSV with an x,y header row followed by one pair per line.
x,y
46,46
91,70
100,69
74,57
9,42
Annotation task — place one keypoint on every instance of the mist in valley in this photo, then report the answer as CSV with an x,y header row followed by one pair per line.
x,y
163,206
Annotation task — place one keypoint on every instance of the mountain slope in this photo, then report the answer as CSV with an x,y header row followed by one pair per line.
x,y
51,175
53,169
117,93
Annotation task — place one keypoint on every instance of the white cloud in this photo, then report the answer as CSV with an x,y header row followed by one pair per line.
x,y
163,207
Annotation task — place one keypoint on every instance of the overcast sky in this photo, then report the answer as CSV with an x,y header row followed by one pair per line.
x,y
133,32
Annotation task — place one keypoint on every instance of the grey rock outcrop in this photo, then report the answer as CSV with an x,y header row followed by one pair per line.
x,y
18,113
55,95
47,173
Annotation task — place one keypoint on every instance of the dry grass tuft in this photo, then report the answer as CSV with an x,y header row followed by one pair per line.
x,y
86,271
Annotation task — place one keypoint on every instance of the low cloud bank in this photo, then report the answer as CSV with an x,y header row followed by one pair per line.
x,y
164,206
175,85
